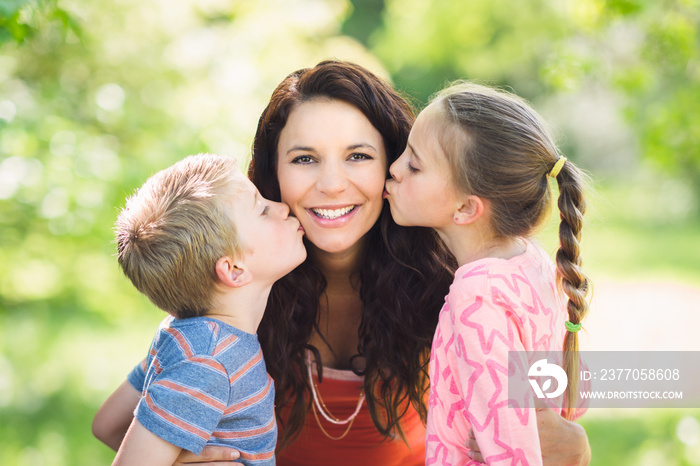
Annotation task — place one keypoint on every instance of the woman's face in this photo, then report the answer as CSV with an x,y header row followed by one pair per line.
x,y
331,167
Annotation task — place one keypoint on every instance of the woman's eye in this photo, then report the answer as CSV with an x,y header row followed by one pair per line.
x,y
360,156
302,159
265,210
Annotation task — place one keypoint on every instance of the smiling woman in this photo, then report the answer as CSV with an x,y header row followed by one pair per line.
x,y
367,297
331,166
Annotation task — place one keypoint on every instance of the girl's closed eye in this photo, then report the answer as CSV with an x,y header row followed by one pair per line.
x,y
411,168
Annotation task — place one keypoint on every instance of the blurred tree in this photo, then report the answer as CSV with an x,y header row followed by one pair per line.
x,y
365,18
640,57
650,51
427,44
21,19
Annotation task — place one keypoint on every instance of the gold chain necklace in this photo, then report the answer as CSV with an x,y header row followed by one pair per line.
x,y
318,403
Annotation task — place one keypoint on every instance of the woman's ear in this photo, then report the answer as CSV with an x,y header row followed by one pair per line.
x,y
232,272
471,209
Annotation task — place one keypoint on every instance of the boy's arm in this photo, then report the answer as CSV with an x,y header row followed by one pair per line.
x,y
115,415
142,447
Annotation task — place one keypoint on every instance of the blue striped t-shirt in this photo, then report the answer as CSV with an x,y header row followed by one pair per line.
x,y
205,383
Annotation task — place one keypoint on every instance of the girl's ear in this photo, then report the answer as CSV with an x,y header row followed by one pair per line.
x,y
232,272
471,209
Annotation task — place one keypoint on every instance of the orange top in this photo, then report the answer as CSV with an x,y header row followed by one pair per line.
x,y
362,445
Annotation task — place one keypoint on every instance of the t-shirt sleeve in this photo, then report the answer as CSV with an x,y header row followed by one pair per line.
x,y
137,376
185,402
486,326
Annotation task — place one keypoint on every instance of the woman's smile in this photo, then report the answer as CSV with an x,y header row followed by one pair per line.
x,y
331,213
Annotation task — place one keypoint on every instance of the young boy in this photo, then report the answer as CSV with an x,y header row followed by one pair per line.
x,y
199,240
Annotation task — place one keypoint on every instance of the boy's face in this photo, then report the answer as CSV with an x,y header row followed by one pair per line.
x,y
273,239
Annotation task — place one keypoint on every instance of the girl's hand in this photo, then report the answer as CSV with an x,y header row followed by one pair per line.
x,y
563,442
210,456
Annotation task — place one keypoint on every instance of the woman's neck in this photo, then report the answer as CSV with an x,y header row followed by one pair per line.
x,y
340,309
338,268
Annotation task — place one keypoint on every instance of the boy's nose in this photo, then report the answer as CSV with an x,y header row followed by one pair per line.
x,y
283,209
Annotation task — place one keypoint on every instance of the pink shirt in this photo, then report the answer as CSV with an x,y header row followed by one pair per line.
x,y
494,306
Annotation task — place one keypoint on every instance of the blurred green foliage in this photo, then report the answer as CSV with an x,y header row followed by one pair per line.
x,y
648,437
20,20
96,96
646,53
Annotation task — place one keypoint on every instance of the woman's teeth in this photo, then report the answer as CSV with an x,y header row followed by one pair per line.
x,y
332,214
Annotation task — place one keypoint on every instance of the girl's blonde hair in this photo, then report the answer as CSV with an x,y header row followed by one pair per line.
x,y
501,150
175,228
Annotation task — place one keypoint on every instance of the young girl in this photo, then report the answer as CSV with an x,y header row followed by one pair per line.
x,y
476,169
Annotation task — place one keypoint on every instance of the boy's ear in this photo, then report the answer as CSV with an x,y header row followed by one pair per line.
x,y
232,272
471,208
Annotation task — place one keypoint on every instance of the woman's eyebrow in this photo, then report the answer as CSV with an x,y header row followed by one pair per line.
x,y
300,148
361,145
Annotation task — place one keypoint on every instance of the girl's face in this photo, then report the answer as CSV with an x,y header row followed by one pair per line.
x,y
421,191
331,167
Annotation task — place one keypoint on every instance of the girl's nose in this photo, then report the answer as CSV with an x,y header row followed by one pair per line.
x,y
394,170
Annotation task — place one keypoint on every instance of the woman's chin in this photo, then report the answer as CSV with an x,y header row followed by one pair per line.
x,y
340,244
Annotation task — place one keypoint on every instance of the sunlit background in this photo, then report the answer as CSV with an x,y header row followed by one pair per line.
x,y
95,96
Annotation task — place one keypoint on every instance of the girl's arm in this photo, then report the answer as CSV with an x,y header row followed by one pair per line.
x,y
563,442
142,447
115,415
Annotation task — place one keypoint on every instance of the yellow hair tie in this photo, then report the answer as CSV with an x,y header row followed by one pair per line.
x,y
557,167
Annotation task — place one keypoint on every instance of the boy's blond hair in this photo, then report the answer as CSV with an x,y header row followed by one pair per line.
x,y
175,228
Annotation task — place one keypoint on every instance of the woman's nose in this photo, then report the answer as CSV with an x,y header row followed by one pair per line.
x,y
332,179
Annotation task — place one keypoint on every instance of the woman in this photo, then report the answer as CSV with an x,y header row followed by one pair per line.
x,y
346,336
361,309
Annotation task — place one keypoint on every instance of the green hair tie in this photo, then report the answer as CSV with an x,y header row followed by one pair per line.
x,y
571,327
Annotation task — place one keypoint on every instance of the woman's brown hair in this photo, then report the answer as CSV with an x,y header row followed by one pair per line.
x,y
502,151
404,275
